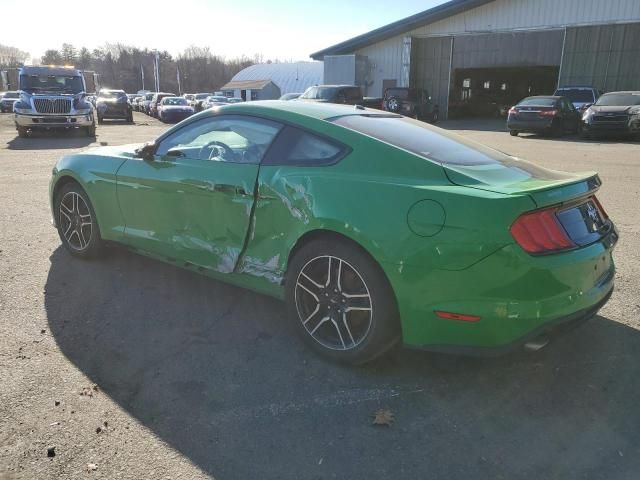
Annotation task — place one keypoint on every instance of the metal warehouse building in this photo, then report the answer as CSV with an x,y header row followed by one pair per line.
x,y
474,55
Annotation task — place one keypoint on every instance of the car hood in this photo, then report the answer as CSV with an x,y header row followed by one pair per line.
x,y
127,151
518,177
605,109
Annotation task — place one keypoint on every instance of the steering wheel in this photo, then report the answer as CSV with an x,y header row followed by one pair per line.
x,y
230,154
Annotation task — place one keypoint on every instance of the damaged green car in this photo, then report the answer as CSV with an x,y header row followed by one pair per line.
x,y
374,228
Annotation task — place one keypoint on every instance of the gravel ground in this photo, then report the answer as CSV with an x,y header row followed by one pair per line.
x,y
133,369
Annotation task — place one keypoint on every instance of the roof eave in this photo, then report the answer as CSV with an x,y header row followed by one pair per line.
x,y
427,17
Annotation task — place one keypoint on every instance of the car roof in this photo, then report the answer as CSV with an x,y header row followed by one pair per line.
x,y
551,97
317,110
627,92
584,87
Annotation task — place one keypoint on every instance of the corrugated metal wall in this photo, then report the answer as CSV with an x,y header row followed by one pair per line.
x,y
607,57
430,60
501,15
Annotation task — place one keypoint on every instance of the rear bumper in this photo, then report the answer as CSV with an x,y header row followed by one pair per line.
x,y
53,121
532,125
516,296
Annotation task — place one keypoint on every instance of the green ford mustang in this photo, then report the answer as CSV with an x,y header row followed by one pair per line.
x,y
374,228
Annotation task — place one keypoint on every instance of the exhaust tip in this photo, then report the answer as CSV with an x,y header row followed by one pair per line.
x,y
537,343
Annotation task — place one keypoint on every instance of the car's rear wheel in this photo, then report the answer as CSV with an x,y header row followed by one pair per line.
x,y
100,120
130,117
435,117
76,221
90,131
341,302
557,128
514,133
23,132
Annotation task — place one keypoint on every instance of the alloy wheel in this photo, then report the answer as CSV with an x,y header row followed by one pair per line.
x,y
75,221
333,303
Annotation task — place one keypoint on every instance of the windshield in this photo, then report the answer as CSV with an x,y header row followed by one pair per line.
x,y
576,94
51,83
174,101
538,102
619,99
423,140
202,96
217,99
111,95
402,93
319,93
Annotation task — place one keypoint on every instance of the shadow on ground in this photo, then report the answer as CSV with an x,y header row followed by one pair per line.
x,y
218,374
53,139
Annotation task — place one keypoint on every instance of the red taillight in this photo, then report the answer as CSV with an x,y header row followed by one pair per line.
x,y
540,232
599,205
457,316
548,113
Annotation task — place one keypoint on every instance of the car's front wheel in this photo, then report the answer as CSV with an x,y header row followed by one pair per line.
x,y
76,222
341,302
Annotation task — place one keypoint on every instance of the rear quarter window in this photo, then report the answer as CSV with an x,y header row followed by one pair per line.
x,y
302,148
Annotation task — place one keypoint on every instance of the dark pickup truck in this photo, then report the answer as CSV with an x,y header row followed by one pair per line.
x,y
346,94
411,102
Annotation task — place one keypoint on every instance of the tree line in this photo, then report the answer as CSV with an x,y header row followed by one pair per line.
x,y
123,67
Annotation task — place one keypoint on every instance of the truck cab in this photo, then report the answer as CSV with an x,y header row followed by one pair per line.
x,y
52,98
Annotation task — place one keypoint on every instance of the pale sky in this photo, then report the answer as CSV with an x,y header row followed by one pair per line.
x,y
283,29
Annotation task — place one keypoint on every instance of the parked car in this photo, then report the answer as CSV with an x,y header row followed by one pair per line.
x,y
7,99
543,114
214,101
613,113
348,94
137,103
174,109
155,101
198,98
234,100
146,102
113,104
290,96
582,97
411,102
403,232
189,97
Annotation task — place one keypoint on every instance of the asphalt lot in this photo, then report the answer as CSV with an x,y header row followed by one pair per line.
x,y
197,379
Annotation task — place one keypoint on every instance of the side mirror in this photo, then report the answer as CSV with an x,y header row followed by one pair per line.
x,y
147,151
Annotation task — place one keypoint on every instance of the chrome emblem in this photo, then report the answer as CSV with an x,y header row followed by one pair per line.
x,y
593,213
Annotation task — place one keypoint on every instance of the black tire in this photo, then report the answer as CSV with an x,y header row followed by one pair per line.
x,y
514,133
90,131
100,120
367,334
23,132
130,117
557,128
76,242
394,104
583,133
435,116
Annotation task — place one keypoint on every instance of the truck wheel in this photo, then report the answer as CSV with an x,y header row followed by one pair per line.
x,y
130,117
23,132
91,131
434,117
513,133
340,302
100,120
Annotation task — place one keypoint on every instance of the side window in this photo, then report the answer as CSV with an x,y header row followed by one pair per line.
x,y
298,147
227,138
